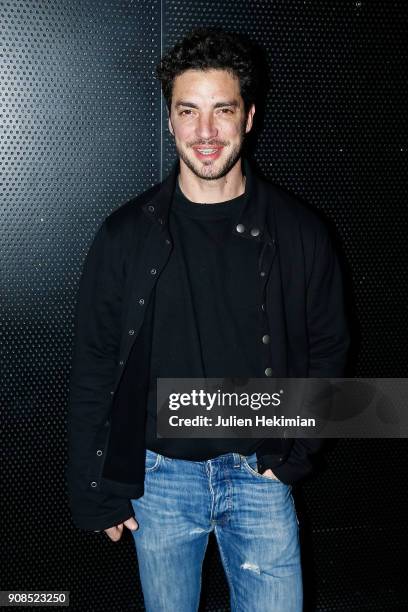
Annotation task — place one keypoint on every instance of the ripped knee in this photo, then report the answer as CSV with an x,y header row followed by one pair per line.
x,y
252,567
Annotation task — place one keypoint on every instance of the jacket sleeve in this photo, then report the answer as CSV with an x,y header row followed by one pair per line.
x,y
328,342
326,322
96,346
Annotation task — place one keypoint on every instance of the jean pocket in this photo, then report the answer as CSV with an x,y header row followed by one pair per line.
x,y
252,468
152,461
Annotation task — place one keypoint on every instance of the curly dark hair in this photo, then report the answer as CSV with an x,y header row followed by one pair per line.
x,y
212,48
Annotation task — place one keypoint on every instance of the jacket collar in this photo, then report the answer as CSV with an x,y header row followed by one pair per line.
x,y
251,221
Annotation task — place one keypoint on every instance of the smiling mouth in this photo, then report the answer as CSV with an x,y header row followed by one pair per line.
x,y
208,152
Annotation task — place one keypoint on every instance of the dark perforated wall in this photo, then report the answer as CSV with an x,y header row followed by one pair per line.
x,y
83,130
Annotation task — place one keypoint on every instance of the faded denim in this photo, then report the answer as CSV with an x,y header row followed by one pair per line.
x,y
254,521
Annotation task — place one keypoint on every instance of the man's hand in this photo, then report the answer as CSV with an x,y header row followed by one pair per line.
x,y
115,532
269,474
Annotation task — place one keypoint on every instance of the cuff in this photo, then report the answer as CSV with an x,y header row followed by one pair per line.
x,y
98,523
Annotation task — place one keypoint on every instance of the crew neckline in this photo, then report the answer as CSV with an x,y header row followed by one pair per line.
x,y
202,210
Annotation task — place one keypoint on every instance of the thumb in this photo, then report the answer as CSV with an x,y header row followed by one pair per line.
x,y
131,524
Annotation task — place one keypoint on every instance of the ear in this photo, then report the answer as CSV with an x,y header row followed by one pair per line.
x,y
170,125
250,119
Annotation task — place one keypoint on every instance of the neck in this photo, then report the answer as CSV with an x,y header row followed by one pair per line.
x,y
223,189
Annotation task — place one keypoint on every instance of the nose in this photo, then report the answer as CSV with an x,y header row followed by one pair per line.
x,y
206,127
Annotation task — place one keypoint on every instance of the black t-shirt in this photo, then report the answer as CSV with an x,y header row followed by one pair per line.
x,y
207,315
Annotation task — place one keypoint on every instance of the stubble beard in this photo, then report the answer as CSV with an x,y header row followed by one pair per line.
x,y
209,170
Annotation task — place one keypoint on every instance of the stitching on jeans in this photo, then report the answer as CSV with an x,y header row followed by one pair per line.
x,y
156,464
294,509
211,490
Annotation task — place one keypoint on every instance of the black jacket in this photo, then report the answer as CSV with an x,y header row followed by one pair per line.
x,y
301,285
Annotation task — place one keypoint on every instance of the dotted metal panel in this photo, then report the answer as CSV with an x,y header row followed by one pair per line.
x,y
82,120
80,135
334,134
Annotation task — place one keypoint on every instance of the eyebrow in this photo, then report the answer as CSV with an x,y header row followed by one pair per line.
x,y
234,103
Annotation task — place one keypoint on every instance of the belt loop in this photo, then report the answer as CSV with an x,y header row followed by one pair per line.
x,y
237,460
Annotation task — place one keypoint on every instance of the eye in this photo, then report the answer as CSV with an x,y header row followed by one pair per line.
x,y
227,110
186,111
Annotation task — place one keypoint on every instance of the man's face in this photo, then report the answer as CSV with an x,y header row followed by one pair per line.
x,y
207,120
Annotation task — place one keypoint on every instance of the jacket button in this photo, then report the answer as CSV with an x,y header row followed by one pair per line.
x,y
268,371
112,392
150,208
266,339
94,484
131,332
263,306
160,220
141,301
168,241
255,231
263,273
240,228
99,453
153,271
121,363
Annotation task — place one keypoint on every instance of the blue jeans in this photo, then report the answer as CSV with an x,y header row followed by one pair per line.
x,y
254,521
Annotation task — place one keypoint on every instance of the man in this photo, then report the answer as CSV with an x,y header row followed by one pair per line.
x,y
213,273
